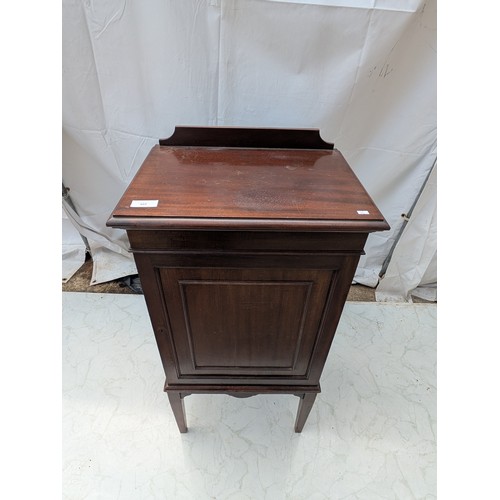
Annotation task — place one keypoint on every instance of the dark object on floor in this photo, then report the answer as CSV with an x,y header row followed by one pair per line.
x,y
133,282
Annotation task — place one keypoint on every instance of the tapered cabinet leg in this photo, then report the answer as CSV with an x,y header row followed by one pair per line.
x,y
177,404
305,405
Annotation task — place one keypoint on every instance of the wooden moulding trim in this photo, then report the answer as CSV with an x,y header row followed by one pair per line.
x,y
247,224
252,252
259,389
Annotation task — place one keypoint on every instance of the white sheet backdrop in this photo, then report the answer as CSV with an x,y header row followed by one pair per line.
x,y
363,72
412,269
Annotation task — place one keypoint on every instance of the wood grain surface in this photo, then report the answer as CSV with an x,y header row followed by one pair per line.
x,y
196,185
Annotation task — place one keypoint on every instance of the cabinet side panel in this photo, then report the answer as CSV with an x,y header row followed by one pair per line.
x,y
333,311
158,314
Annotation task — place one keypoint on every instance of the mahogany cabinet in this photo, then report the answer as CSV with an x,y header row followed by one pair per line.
x,y
246,242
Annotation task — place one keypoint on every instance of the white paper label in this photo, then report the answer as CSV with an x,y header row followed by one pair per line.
x,y
363,212
144,203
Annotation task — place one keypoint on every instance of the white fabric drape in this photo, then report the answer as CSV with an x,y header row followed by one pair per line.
x,y
412,269
73,249
364,73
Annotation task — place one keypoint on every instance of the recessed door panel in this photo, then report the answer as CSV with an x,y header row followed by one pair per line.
x,y
246,322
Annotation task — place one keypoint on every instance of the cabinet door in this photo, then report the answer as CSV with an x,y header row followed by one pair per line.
x,y
243,322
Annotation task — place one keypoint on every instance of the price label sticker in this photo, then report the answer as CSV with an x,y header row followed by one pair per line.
x,y
363,212
144,203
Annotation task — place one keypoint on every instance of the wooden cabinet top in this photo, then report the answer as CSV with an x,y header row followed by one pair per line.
x,y
252,187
